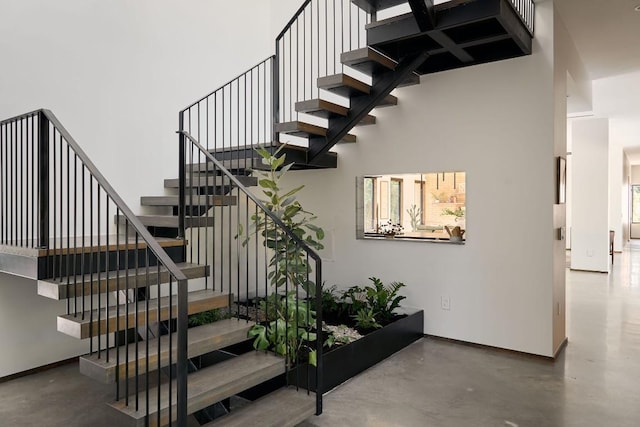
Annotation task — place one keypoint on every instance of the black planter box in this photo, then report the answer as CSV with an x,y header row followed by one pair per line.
x,y
347,361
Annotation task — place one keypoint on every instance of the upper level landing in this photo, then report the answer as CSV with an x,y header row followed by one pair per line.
x,y
455,34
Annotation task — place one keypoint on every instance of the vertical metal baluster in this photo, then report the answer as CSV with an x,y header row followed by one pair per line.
x,y
159,391
266,263
83,256
68,233
55,201
136,317
23,236
12,173
147,325
3,203
207,121
296,287
289,101
207,177
107,274
170,387
213,262
20,173
60,259
126,310
318,37
91,254
319,363
191,229
342,31
98,255
117,276
333,19
33,182
2,173
75,234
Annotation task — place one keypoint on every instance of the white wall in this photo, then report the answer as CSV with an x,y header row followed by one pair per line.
x,y
115,73
635,180
590,198
626,202
616,190
28,335
495,122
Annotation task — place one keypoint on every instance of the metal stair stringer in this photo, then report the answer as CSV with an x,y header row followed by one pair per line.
x,y
361,106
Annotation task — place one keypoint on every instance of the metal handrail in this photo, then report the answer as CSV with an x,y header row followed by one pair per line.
x,y
292,20
132,219
193,104
297,241
48,124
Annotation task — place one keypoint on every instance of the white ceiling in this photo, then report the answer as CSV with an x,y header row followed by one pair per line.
x,y
607,36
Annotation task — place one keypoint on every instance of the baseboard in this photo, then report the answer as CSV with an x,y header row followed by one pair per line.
x,y
493,348
39,369
561,347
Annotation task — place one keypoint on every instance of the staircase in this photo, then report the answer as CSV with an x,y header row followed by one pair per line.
x,y
131,282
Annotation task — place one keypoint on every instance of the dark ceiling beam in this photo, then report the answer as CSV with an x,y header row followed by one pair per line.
x,y
424,12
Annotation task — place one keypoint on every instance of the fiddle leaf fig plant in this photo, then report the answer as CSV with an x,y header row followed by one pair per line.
x,y
289,261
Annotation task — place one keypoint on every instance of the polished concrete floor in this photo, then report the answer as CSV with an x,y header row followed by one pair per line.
x,y
595,382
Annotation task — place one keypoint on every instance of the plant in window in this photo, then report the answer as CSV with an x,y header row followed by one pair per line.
x,y
458,212
390,229
414,215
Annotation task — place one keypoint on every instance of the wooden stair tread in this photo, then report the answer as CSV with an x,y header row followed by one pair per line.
x,y
368,120
343,85
321,108
200,340
368,61
170,221
371,6
285,407
112,281
412,80
306,130
189,199
80,245
301,129
86,324
205,387
388,101
328,110
210,181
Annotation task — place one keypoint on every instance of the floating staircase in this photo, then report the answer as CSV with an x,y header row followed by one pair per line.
x,y
130,281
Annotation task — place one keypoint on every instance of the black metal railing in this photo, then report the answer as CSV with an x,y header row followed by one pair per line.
x,y
235,116
526,9
310,46
54,199
243,262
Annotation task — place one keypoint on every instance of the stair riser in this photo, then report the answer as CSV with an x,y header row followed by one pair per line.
x,y
72,265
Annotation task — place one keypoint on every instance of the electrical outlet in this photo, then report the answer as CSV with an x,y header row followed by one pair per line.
x,y
589,252
445,303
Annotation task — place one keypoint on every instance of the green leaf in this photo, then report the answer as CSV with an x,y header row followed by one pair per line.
x,y
267,183
313,358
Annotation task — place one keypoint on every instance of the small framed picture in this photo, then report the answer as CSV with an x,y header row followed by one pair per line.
x,y
561,178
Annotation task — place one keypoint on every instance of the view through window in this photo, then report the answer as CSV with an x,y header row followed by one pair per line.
x,y
415,205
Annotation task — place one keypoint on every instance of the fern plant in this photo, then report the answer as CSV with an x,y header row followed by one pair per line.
x,y
383,300
366,319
